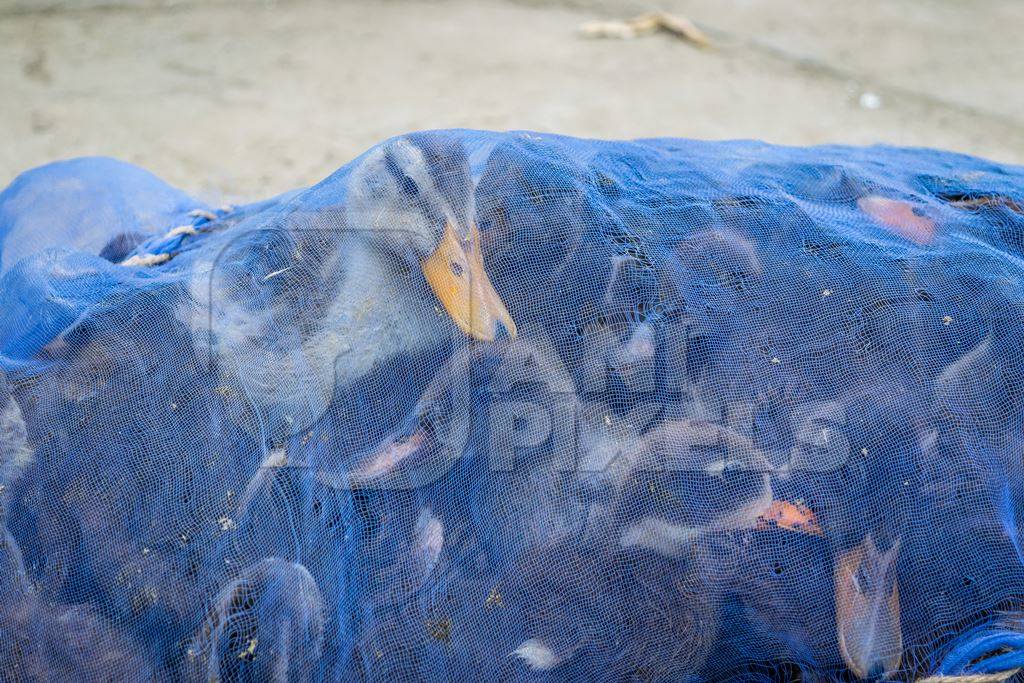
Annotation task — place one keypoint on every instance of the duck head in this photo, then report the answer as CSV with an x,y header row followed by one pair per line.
x,y
868,609
412,199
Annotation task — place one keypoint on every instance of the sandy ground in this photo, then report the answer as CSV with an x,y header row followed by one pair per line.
x,y
237,100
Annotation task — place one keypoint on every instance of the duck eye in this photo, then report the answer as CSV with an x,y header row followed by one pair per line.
x,y
409,187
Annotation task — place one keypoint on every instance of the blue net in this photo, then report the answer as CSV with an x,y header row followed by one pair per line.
x,y
517,407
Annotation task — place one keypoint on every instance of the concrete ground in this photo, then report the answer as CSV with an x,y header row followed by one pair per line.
x,y
239,99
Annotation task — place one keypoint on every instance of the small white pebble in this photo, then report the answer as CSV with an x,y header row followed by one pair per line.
x,y
870,100
826,292
226,524
608,29
776,361
946,320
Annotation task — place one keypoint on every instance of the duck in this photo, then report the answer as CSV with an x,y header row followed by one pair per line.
x,y
265,624
412,201
492,442
16,454
46,640
392,245
868,609
605,613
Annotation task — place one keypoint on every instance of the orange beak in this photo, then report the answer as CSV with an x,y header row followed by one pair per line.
x,y
868,610
455,271
790,516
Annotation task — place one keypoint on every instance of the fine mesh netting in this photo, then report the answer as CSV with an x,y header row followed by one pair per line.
x,y
517,407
